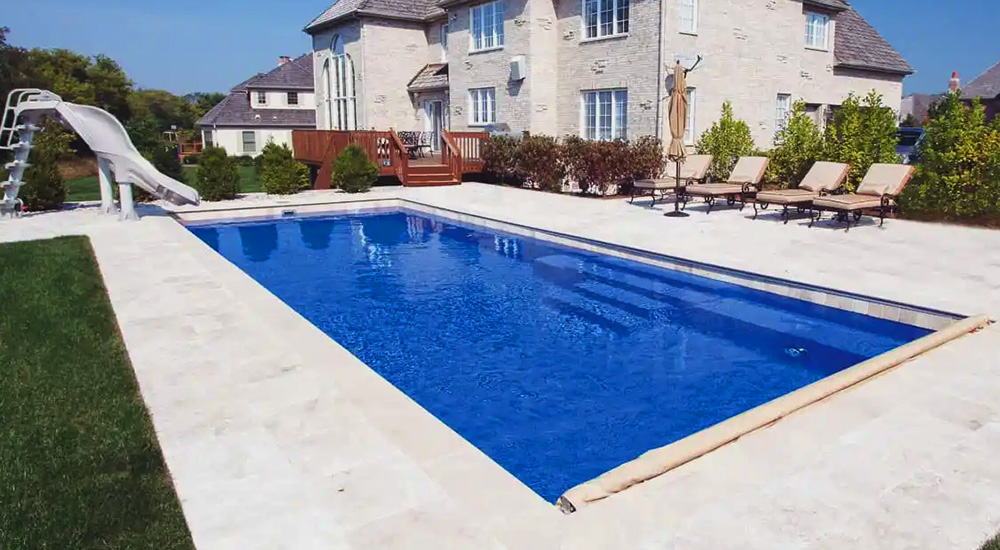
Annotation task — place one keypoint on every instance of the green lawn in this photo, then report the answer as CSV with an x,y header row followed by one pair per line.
x,y
88,189
80,466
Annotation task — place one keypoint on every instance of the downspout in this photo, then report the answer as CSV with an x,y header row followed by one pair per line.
x,y
660,77
364,88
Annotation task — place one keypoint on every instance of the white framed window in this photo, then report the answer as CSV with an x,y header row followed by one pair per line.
x,y
292,99
261,97
487,26
482,106
338,88
444,42
817,31
603,18
783,110
689,16
604,114
249,142
690,132
207,138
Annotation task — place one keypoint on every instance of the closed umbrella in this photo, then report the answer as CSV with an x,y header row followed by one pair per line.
x,y
678,110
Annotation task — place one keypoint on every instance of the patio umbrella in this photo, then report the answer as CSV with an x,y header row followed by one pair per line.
x,y
678,110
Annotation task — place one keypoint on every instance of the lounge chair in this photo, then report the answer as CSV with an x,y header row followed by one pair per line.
x,y
694,169
823,178
878,191
743,183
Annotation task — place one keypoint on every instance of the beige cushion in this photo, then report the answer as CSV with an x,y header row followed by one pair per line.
x,y
848,202
749,170
714,189
694,167
656,184
825,176
885,178
786,196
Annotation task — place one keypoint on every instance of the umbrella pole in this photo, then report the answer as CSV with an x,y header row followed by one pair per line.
x,y
677,195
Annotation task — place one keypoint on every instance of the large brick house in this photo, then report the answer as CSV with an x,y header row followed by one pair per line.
x,y
595,68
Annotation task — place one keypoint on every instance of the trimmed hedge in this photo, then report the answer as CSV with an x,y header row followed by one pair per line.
x,y
217,177
353,171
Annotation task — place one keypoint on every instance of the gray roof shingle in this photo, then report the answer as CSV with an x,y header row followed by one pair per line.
x,y
859,46
412,10
235,109
431,77
297,74
986,85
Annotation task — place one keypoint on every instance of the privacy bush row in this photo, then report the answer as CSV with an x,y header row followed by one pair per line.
x,y
958,165
597,167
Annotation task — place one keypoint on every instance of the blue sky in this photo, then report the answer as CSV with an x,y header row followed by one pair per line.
x,y
210,45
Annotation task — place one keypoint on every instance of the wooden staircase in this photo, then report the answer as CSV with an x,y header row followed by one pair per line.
x,y
429,175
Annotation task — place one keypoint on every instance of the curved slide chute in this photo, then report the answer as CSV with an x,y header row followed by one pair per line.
x,y
105,136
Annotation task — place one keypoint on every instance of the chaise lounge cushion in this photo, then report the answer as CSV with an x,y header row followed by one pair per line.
x,y
694,168
848,202
786,196
749,170
825,176
713,189
885,178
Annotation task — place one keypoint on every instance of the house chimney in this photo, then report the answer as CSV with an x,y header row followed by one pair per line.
x,y
955,83
283,59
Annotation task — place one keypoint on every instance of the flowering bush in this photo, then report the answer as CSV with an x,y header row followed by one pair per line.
x,y
538,160
499,155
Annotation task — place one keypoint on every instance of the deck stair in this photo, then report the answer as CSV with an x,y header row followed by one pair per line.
x,y
426,175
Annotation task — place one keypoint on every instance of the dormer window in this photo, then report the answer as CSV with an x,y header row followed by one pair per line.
x,y
817,31
261,98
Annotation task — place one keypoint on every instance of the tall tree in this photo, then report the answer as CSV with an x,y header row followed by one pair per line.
x,y
112,86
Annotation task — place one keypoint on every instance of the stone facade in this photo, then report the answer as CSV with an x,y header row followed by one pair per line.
x,y
753,51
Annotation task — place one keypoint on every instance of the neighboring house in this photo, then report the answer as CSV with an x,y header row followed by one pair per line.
x,y
265,108
594,68
918,105
986,87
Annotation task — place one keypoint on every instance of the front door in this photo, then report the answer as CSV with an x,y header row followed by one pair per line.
x,y
435,122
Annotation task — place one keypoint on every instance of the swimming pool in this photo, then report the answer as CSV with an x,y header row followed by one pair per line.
x,y
558,364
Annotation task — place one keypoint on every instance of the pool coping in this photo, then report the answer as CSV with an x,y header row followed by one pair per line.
x,y
658,461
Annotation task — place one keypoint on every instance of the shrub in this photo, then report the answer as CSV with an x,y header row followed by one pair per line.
x,y
727,140
353,171
191,160
500,157
44,188
645,159
958,175
165,160
538,161
797,145
862,133
596,166
244,160
217,177
280,173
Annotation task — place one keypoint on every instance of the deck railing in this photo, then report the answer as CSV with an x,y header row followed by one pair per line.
x,y
470,144
451,155
320,147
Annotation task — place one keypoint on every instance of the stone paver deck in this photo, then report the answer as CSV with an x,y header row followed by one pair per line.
x,y
277,437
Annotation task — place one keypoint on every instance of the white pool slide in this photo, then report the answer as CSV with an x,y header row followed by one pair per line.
x,y
105,136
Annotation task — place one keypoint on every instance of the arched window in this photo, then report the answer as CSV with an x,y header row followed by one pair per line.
x,y
338,85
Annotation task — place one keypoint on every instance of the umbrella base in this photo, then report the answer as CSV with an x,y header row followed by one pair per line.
x,y
676,214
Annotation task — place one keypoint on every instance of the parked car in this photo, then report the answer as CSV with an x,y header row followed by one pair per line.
x,y
909,142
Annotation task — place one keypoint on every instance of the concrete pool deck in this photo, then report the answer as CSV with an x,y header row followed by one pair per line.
x,y
279,438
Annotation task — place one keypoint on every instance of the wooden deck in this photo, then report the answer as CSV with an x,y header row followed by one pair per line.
x,y
460,155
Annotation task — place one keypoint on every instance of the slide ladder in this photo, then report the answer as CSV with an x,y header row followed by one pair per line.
x,y
107,138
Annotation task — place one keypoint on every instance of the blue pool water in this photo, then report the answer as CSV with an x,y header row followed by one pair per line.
x,y
558,364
